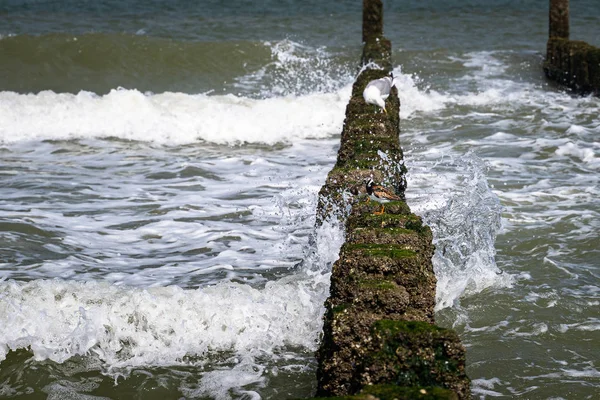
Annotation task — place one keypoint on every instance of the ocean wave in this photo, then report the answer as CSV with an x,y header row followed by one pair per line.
x,y
296,68
127,327
170,118
99,62
232,329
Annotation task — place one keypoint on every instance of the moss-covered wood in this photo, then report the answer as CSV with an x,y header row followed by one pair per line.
x,y
385,269
559,19
412,353
372,25
369,148
574,64
378,50
383,280
394,392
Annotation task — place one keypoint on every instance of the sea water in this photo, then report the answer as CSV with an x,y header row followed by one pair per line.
x,y
159,170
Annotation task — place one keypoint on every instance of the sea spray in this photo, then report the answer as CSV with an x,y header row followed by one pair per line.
x,y
125,328
128,327
465,217
297,69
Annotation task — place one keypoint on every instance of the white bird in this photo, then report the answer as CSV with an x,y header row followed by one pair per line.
x,y
378,90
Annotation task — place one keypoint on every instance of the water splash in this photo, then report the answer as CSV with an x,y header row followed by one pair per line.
x,y
124,328
465,217
298,69
415,100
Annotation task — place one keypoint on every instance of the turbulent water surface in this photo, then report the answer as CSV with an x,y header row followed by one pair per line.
x,y
159,169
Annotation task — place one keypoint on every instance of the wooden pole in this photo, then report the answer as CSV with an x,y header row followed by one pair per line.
x,y
372,26
559,19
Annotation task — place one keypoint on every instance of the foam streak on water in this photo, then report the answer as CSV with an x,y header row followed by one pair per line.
x,y
178,233
489,146
229,226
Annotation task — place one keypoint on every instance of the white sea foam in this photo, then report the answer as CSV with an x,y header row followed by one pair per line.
x,y
297,69
492,92
529,330
566,373
127,327
464,215
484,63
586,154
170,118
413,99
484,387
171,218
218,384
124,327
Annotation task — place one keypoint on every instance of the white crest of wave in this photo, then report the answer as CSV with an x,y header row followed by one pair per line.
x,y
127,327
170,118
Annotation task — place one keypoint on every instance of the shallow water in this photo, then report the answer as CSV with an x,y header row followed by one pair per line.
x,y
159,170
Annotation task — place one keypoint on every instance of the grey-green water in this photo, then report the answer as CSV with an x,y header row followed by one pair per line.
x,y
159,166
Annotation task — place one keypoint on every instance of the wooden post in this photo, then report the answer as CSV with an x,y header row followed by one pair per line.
x,y
559,19
379,336
372,19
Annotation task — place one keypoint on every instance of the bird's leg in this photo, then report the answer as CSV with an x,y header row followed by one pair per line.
x,y
380,211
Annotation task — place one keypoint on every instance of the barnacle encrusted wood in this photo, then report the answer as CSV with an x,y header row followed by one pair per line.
x,y
379,320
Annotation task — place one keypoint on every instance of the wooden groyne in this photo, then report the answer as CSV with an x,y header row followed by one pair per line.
x,y
379,338
574,64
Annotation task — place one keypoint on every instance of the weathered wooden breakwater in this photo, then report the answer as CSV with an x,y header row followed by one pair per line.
x,y
379,337
574,64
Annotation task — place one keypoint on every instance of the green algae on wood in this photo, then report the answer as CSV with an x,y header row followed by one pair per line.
x,y
384,271
393,392
413,353
381,250
573,64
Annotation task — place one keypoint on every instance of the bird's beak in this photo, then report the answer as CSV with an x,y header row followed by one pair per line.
x,y
384,110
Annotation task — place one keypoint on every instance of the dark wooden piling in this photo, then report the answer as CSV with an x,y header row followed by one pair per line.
x,y
571,63
379,340
376,48
559,19
372,19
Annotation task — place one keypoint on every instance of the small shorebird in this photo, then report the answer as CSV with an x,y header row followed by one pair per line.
x,y
380,194
378,90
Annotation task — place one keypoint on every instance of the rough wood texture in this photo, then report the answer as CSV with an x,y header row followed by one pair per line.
x,y
379,340
573,64
372,26
559,19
